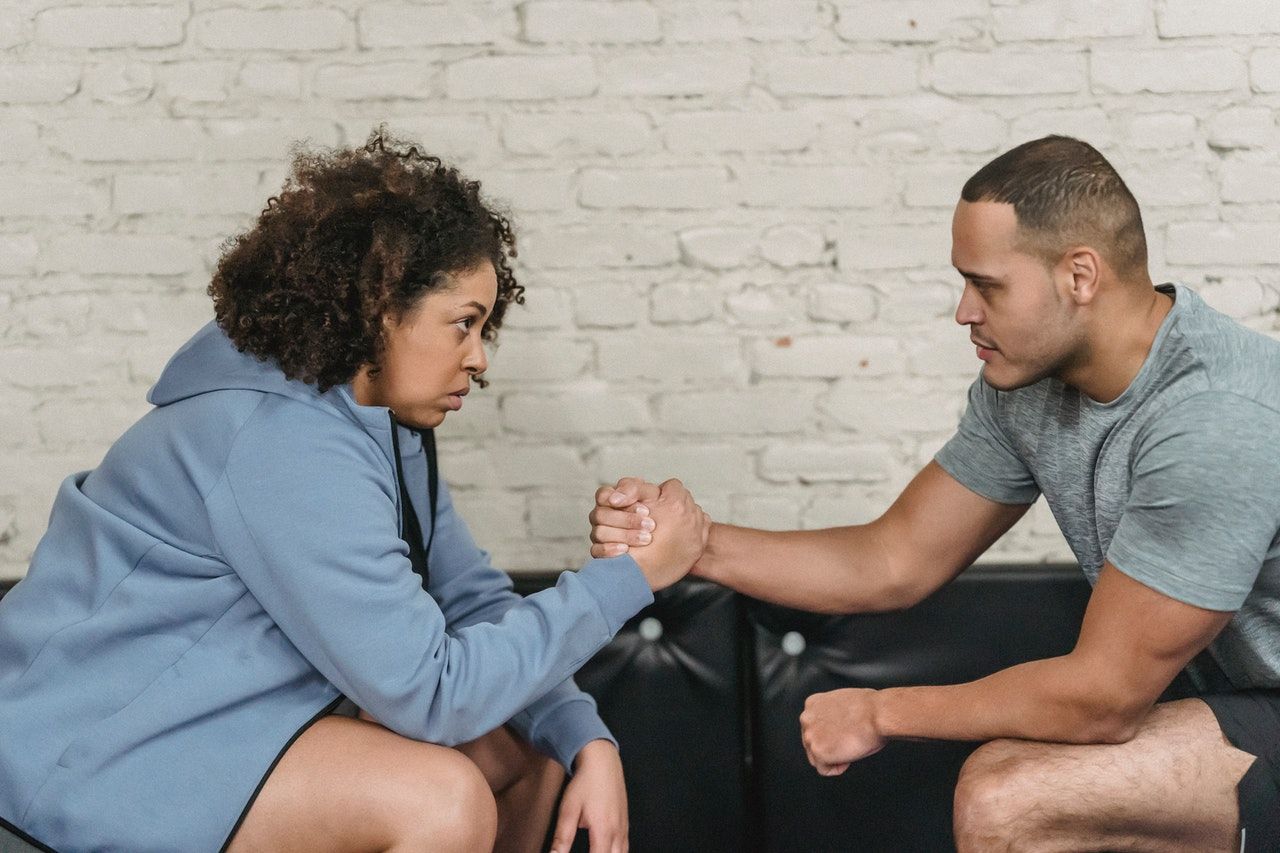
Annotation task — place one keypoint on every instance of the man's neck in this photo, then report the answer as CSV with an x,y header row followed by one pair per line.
x,y
1120,341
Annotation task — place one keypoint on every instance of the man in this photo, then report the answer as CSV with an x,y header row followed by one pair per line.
x,y
1149,423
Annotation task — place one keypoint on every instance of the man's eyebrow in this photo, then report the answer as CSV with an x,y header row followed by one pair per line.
x,y
476,305
977,276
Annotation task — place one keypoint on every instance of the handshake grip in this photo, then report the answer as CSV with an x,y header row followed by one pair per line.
x,y
661,526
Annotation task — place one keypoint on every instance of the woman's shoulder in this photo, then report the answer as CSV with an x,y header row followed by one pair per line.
x,y
287,431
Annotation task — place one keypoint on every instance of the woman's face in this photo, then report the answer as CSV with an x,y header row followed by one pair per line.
x,y
432,351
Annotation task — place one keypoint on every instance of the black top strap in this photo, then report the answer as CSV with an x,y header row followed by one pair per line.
x,y
411,530
433,480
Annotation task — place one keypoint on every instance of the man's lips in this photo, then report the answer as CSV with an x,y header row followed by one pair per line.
x,y
984,351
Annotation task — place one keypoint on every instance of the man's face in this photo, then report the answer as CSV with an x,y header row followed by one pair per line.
x,y
1019,313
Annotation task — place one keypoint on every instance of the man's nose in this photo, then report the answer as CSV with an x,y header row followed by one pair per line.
x,y
968,312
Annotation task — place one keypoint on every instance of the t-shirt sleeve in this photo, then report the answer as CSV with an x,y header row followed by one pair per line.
x,y
1205,502
980,456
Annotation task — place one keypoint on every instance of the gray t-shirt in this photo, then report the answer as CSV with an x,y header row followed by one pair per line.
x,y
1176,482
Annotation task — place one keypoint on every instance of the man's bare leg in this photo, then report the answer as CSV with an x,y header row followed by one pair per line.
x,y
1171,788
350,785
525,784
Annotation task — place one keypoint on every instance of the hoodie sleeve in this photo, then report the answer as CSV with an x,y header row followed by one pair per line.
x,y
305,513
471,591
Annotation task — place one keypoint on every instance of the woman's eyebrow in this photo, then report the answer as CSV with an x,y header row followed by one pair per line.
x,y
476,305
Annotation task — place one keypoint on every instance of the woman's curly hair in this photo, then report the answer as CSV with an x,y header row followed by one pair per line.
x,y
355,234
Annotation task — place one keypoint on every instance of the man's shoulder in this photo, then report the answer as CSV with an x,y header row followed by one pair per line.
x,y
1215,415
1220,354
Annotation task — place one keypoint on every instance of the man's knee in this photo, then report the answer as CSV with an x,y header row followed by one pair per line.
x,y
996,798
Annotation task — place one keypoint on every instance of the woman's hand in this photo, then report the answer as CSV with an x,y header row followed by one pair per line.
x,y
596,799
620,519
679,528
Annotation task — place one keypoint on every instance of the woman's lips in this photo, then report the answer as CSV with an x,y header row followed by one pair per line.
x,y
455,402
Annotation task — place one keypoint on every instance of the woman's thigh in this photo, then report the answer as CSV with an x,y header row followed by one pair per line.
x,y
350,785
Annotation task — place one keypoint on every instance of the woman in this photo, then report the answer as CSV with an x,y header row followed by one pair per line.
x,y
272,537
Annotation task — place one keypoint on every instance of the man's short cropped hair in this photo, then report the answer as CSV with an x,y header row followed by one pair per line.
x,y
1065,193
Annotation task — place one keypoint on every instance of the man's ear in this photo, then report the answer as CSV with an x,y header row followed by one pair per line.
x,y
1083,267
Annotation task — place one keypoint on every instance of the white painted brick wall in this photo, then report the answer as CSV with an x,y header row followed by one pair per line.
x,y
1264,69
521,77
1168,70
1011,72
872,74
110,27
238,29
390,25
619,22
733,217
1179,18
676,75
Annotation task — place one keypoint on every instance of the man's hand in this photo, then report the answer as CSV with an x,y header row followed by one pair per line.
x,y
666,533
595,799
839,728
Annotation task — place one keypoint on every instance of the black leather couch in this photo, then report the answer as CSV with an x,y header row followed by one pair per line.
x,y
704,689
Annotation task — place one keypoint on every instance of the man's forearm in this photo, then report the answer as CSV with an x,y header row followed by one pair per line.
x,y
932,531
837,570
1058,700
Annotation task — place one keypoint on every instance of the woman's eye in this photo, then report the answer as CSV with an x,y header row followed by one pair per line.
x,y
464,325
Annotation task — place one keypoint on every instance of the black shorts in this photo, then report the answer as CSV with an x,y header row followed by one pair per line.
x,y
1250,720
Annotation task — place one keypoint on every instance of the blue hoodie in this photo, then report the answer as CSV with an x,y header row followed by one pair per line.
x,y
231,569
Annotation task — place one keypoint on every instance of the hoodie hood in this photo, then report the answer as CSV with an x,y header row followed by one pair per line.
x,y
210,362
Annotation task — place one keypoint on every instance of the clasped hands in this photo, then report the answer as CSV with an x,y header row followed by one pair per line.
x,y
660,525
666,533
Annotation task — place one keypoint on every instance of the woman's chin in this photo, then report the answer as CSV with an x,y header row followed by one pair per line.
x,y
422,419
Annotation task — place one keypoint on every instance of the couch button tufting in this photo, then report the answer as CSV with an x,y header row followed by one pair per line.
x,y
793,643
650,628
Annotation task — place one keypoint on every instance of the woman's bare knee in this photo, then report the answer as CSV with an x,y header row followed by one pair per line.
x,y
350,785
438,800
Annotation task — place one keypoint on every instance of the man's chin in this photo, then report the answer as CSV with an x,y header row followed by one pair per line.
x,y
1003,381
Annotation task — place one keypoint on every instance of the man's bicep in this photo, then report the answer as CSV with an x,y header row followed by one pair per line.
x,y
1137,639
1203,508
937,526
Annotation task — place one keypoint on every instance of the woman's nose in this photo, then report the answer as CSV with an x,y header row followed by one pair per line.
x,y
477,360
